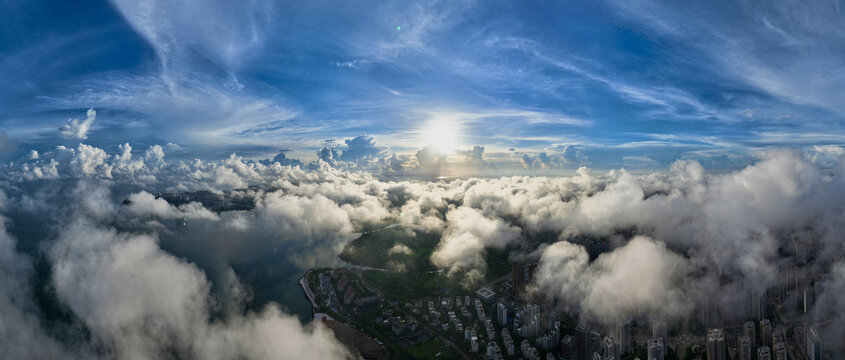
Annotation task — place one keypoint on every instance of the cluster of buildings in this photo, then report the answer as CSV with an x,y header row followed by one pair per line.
x,y
496,322
771,344
225,201
346,281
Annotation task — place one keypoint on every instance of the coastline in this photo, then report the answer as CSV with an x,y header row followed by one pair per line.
x,y
303,283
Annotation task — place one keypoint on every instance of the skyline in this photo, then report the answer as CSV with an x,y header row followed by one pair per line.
x,y
604,85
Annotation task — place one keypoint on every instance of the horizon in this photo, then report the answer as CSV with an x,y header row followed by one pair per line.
x,y
603,85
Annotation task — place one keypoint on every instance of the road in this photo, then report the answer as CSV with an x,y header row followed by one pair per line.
x,y
445,339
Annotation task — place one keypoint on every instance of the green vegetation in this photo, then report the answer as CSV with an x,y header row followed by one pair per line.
x,y
672,355
434,348
411,268
373,250
406,286
638,353
497,263
688,355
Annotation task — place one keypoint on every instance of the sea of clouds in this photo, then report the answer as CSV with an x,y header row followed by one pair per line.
x,y
679,240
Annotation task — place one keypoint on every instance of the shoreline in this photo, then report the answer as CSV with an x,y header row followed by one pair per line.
x,y
303,283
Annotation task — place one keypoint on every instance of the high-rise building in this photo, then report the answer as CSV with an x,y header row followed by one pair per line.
x,y
809,297
780,351
763,353
517,277
659,331
508,341
582,342
715,344
745,348
491,348
524,347
546,342
750,331
611,349
502,314
765,333
758,305
529,271
567,348
814,345
624,336
655,349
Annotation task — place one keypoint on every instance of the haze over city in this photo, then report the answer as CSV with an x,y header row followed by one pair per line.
x,y
412,180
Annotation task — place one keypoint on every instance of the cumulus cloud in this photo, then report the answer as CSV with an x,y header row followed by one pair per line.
x,y
640,277
466,237
139,302
399,249
361,147
21,332
429,158
132,300
145,204
312,227
283,160
328,155
825,155
76,129
541,161
474,155
694,240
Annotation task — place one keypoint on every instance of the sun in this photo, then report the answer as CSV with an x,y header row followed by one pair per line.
x,y
443,135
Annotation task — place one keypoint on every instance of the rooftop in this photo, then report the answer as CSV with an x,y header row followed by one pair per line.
x,y
485,293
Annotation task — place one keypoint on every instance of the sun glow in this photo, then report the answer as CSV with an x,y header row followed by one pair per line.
x,y
443,135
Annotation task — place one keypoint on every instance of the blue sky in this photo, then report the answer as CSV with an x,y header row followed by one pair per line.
x,y
635,84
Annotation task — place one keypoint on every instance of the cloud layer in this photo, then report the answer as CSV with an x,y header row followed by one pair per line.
x,y
681,244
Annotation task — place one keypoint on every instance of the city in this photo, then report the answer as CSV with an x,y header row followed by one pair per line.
x,y
502,320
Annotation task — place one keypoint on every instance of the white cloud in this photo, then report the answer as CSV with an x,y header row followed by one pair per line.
x,y
77,129
643,276
467,235
399,249
743,223
21,333
145,204
139,302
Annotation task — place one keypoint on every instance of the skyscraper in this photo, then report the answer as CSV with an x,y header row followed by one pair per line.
x,y
763,353
655,349
567,348
814,345
502,313
751,332
611,349
780,351
765,333
715,344
517,277
529,271
809,297
778,336
659,331
745,348
624,336
582,342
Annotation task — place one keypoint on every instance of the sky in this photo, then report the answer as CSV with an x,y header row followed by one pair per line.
x,y
538,85
694,151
